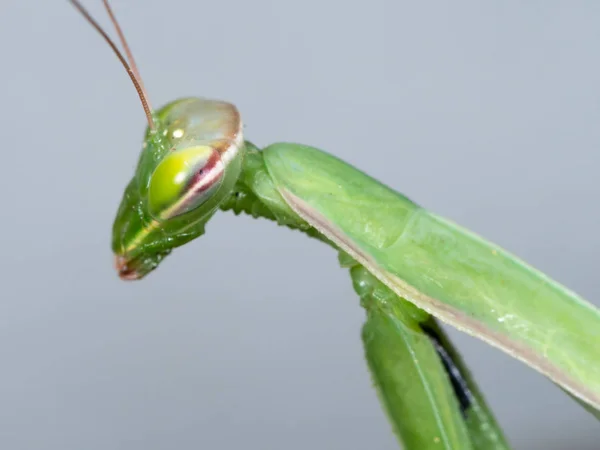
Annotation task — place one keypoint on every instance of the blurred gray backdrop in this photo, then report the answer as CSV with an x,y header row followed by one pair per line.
x,y
250,336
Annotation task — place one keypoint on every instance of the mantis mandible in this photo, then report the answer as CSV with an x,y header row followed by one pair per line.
x,y
409,266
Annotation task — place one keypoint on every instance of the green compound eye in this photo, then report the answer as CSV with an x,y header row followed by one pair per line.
x,y
184,180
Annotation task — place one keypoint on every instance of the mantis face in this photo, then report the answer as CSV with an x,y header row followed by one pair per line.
x,y
189,164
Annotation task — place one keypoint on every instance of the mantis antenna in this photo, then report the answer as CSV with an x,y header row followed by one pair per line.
x,y
129,64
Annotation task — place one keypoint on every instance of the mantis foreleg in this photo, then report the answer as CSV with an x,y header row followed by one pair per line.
x,y
424,387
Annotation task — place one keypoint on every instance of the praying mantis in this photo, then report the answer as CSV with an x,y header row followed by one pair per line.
x,y
411,268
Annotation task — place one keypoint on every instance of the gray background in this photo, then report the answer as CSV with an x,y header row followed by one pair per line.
x,y
485,112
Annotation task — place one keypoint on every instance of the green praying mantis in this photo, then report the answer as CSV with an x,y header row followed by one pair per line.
x,y
410,267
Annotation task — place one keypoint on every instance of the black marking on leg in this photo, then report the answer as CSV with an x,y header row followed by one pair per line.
x,y
459,384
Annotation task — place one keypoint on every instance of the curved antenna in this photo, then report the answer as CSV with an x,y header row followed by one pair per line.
x,y
131,69
128,53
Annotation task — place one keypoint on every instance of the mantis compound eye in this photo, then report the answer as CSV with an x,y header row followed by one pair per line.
x,y
184,180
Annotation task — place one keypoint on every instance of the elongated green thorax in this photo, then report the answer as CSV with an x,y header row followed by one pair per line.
x,y
425,388
444,269
187,167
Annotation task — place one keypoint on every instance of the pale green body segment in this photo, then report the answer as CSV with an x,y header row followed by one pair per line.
x,y
444,269
410,359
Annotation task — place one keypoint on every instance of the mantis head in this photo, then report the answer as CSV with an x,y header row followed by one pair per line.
x,y
190,161
189,164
